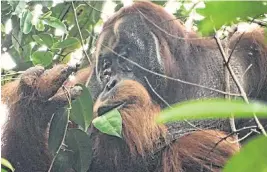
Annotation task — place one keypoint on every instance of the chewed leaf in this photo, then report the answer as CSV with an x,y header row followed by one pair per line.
x,y
109,123
212,108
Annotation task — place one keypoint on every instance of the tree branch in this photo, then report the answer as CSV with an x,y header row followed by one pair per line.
x,y
239,86
79,30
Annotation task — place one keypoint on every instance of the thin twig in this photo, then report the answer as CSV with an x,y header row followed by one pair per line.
x,y
79,30
94,8
233,49
166,103
229,135
243,138
228,89
236,43
11,74
81,27
65,130
9,79
164,31
246,71
239,86
17,41
154,91
259,22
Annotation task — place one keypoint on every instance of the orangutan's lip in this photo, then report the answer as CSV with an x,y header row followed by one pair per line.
x,y
106,108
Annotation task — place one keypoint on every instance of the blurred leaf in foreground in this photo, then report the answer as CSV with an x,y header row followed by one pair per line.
x,y
7,165
219,13
211,108
252,157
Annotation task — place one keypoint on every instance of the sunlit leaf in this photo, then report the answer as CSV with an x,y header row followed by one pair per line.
x,y
80,144
68,43
109,123
211,108
46,15
44,39
26,22
6,164
252,157
82,109
43,58
57,129
65,58
40,25
2,28
56,23
219,13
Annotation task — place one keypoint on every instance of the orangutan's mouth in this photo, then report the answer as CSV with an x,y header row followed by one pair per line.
x,y
106,108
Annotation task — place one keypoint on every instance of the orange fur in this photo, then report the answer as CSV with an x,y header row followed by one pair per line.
x,y
142,135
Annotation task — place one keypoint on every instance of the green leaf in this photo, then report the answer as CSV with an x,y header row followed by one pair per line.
x,y
219,13
59,10
17,35
44,39
26,53
26,22
82,109
57,129
96,14
80,144
43,58
182,13
40,25
118,6
7,164
38,39
56,23
161,3
109,123
69,44
252,157
64,160
5,6
13,4
211,108
2,28
65,58
46,15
